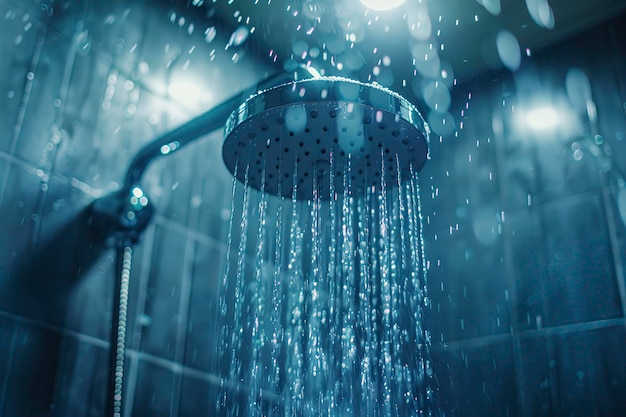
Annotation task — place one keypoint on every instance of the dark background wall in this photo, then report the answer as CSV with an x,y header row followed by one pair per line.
x,y
525,239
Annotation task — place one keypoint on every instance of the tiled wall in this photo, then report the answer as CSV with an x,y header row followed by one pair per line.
x,y
523,240
526,240
83,87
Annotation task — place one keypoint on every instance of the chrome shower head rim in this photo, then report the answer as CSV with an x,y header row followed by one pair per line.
x,y
306,127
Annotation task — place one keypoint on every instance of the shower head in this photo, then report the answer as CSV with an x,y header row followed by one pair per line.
x,y
302,134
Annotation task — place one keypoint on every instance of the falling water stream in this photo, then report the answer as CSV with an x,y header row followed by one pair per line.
x,y
322,300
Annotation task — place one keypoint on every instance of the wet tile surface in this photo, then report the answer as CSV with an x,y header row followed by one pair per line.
x,y
7,348
161,316
82,385
203,332
569,277
154,394
576,374
477,381
33,373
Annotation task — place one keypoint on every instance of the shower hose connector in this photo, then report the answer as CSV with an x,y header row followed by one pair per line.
x,y
118,219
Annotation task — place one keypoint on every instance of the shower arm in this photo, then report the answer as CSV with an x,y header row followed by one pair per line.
x,y
202,125
121,216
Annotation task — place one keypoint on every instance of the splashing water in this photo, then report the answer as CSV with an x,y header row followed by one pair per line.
x,y
323,304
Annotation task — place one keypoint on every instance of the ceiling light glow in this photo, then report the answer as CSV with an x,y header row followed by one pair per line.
x,y
543,118
382,5
185,92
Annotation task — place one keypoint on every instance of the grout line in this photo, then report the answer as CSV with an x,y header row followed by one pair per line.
x,y
614,240
131,384
552,203
19,120
96,193
533,333
192,233
508,254
185,296
5,383
81,337
212,378
182,370
136,336
143,280
183,317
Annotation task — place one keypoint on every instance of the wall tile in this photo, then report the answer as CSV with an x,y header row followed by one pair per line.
x,y
591,372
20,52
33,371
169,181
470,291
81,385
535,392
203,333
77,119
213,193
118,29
154,392
21,214
162,309
575,374
7,345
467,280
79,286
42,129
128,118
477,381
569,278
199,398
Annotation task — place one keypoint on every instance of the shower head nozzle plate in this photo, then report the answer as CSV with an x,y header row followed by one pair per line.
x,y
325,135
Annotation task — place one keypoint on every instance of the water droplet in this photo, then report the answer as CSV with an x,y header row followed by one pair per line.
x,y
578,89
541,13
492,6
426,59
296,118
419,23
621,203
209,34
508,50
300,48
436,95
238,37
441,123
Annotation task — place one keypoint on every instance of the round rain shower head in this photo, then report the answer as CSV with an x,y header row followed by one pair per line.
x,y
304,134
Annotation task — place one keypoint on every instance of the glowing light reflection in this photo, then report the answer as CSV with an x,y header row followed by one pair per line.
x,y
382,5
543,118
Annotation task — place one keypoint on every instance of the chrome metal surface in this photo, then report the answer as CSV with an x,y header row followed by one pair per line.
x,y
304,128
